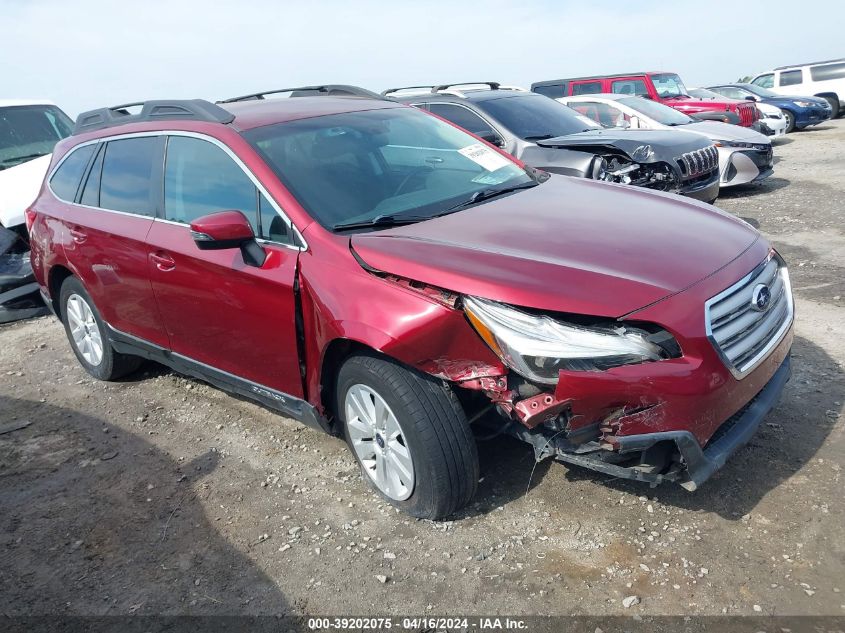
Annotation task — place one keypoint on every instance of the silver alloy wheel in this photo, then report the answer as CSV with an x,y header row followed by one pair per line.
x,y
84,330
379,442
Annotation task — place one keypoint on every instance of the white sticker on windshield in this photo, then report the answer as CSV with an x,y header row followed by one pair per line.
x,y
484,156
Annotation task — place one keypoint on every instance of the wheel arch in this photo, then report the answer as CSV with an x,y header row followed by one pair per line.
x,y
56,277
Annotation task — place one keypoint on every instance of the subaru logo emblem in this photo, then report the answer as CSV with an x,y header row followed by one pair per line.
x,y
761,297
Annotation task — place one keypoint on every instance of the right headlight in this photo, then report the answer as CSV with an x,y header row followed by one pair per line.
x,y
538,347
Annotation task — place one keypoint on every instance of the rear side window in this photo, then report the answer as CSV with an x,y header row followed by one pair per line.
x,y
554,92
790,78
65,181
200,178
827,72
765,81
635,87
461,116
586,88
126,181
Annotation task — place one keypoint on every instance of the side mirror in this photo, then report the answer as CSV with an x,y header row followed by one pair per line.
x,y
750,98
491,137
225,230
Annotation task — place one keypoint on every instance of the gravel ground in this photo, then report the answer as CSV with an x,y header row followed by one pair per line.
x,y
160,494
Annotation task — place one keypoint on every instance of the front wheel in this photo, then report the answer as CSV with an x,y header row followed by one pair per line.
x,y
790,121
88,335
409,434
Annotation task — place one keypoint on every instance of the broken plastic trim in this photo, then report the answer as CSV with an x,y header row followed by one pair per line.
x,y
697,464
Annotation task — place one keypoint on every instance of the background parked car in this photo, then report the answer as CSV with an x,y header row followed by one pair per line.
x,y
800,112
744,155
28,132
667,88
820,79
772,120
537,130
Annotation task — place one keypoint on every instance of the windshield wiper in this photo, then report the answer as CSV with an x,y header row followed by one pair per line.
x,y
487,194
24,158
380,220
539,137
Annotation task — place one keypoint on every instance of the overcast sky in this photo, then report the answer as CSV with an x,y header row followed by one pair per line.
x,y
89,53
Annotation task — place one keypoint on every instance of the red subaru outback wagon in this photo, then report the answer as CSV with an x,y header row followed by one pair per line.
x,y
376,272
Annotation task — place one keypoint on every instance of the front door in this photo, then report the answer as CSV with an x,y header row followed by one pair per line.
x,y
218,310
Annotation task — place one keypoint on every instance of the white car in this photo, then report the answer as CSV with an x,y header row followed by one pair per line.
x,y
819,79
744,155
28,132
773,118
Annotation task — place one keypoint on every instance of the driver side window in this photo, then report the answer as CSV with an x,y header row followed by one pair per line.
x,y
765,81
461,116
200,178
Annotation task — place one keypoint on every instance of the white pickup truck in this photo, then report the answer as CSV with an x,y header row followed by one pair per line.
x,y
28,132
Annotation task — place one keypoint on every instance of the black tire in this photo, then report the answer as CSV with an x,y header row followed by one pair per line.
x,y
435,429
790,121
113,365
834,106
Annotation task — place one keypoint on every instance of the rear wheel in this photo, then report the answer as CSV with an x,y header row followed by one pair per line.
x,y
409,434
89,336
790,121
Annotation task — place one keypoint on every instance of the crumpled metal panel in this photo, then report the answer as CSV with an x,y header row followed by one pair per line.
x,y
19,295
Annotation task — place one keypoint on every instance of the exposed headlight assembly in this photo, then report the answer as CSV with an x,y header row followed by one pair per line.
x,y
538,347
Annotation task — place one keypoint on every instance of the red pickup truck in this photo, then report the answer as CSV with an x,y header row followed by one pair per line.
x,y
666,88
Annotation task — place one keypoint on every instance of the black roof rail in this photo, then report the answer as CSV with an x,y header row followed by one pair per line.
x,y
329,90
493,85
156,110
827,61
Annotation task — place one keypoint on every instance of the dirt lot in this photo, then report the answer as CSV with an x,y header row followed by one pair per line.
x,y
160,494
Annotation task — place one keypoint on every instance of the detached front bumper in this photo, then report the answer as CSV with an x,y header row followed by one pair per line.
x,y
696,464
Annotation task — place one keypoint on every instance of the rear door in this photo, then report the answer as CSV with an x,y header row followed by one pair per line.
x,y
108,226
218,310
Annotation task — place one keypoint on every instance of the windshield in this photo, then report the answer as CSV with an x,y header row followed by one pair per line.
x,y
669,85
535,117
27,132
757,90
661,113
704,93
360,167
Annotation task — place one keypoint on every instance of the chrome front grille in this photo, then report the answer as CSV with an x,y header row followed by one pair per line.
x,y
742,329
699,162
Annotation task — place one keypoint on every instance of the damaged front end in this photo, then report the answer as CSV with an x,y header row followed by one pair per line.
x,y
19,294
612,403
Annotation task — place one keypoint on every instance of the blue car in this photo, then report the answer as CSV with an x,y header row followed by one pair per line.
x,y
800,112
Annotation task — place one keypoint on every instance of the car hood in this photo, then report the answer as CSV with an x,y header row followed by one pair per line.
x,y
786,99
568,245
19,186
667,144
725,132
